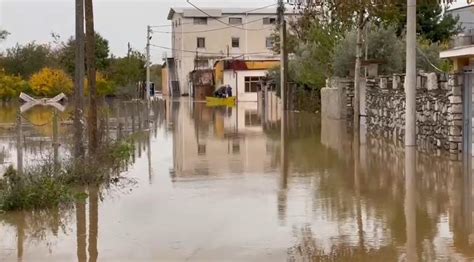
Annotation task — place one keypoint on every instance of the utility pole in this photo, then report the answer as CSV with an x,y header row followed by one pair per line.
x,y
283,54
148,38
79,81
410,79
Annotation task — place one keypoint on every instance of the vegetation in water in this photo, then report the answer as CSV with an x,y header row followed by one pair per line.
x,y
49,186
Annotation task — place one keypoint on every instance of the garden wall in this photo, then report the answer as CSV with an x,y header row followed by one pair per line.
x,y
438,109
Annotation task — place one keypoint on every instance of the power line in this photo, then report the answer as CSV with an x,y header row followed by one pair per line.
x,y
221,28
217,19
207,53
226,16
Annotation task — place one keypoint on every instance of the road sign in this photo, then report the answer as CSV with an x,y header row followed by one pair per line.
x,y
32,102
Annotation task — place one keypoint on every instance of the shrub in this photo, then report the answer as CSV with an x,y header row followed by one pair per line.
x,y
49,187
104,86
50,82
11,86
35,189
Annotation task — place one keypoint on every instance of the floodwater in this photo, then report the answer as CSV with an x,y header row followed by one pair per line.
x,y
217,184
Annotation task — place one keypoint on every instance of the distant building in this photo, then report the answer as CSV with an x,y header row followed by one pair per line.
x,y
466,16
244,76
199,39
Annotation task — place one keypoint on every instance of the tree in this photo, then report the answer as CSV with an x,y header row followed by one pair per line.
x,y
67,53
3,34
49,82
25,60
155,76
432,22
91,75
383,45
125,72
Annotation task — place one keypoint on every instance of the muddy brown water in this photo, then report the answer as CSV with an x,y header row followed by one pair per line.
x,y
216,184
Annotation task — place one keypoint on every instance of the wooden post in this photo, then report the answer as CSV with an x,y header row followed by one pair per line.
x,y
56,140
19,143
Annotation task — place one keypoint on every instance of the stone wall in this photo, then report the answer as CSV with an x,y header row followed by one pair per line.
x,y
438,110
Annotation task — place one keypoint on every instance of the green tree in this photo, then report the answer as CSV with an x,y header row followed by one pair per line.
x,y
155,76
383,45
125,72
67,52
25,60
432,22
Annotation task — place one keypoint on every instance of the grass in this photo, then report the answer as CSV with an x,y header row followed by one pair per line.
x,y
46,186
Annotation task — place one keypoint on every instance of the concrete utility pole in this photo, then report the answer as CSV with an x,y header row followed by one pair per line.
x,y
148,38
410,79
283,54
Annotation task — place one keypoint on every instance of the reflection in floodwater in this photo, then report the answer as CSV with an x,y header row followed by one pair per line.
x,y
245,184
410,202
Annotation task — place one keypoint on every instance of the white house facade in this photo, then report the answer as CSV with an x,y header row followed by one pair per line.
x,y
199,38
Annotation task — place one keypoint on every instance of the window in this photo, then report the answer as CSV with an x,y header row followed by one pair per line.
x,y
252,118
235,20
235,42
252,83
201,150
200,20
269,20
201,42
235,147
269,42
202,63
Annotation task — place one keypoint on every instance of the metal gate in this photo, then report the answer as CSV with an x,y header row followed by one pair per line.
x,y
468,113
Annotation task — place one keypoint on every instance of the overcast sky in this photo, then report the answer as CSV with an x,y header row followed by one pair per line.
x,y
119,21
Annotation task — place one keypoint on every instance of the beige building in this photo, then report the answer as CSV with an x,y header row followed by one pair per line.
x,y
200,38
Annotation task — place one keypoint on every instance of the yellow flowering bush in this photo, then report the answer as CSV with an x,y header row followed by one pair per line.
x,y
49,82
104,86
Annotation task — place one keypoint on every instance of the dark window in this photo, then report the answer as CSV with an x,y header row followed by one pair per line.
x,y
253,83
201,149
235,20
202,63
200,20
235,42
235,147
269,42
269,20
201,42
252,118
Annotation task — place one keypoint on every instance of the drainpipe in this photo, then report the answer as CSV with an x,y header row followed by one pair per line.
x,y
246,34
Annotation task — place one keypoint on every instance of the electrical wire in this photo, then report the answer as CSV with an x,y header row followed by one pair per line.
x,y
221,28
218,20
207,53
427,59
226,16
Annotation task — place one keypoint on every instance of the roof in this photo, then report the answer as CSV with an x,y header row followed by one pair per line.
x,y
462,51
459,8
219,12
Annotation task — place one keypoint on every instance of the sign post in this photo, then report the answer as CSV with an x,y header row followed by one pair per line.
x,y
31,102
